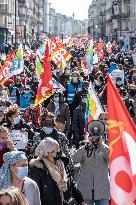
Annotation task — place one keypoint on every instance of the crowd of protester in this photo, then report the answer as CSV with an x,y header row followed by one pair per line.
x,y
42,170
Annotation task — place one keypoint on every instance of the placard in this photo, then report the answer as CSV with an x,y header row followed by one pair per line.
x,y
19,139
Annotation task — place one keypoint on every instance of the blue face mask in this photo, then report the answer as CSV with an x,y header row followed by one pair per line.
x,y
22,172
16,120
58,156
2,145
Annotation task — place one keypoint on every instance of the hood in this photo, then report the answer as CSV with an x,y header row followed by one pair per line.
x,y
36,163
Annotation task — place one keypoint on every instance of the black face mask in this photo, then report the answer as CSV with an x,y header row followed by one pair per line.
x,y
58,156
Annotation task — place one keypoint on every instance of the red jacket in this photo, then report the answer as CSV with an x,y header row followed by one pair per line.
x,y
32,116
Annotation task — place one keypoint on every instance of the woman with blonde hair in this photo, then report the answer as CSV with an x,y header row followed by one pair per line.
x,y
12,196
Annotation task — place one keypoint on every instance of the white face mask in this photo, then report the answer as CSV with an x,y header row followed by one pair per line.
x,y
75,79
119,83
32,106
56,99
2,108
1,118
16,120
48,130
26,91
84,100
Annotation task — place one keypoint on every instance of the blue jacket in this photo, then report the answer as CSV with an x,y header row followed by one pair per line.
x,y
71,91
25,100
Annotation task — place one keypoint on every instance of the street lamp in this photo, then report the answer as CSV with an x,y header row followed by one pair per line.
x,y
15,21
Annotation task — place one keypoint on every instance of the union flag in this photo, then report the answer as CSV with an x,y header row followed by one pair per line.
x,y
122,142
45,86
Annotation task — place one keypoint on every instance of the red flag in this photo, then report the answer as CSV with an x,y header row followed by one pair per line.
x,y
122,142
6,67
58,52
45,85
100,50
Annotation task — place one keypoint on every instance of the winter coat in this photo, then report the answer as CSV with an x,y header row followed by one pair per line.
x,y
37,172
63,116
78,123
71,91
32,116
25,100
49,191
93,173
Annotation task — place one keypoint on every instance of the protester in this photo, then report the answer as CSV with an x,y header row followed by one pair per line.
x,y
5,144
49,172
3,93
12,196
93,181
62,113
2,109
17,126
14,172
78,122
49,169
32,113
72,88
25,97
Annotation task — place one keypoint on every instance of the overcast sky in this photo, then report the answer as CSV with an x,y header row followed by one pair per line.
x,y
67,7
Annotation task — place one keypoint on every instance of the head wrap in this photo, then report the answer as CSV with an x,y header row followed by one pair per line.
x,y
10,158
45,147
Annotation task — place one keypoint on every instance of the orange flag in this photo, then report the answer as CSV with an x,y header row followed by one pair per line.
x,y
45,86
122,142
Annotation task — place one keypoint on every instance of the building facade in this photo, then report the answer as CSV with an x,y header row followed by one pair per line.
x,y
132,23
7,20
118,19
96,18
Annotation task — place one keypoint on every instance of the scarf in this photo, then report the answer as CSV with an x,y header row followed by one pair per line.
x,y
10,158
58,174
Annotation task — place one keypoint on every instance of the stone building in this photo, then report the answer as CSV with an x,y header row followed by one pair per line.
x,y
7,20
96,18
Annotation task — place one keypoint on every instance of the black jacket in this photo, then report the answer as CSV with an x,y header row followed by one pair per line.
x,y
49,192
78,123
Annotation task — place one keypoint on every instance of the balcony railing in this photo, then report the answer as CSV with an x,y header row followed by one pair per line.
x,y
3,8
121,16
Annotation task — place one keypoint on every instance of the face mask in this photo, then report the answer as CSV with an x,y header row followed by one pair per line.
x,y
26,91
32,106
81,79
48,130
97,83
2,108
84,100
56,99
75,79
2,145
119,83
22,172
1,118
58,156
16,120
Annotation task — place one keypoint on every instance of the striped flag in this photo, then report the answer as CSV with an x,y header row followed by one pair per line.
x,y
93,105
